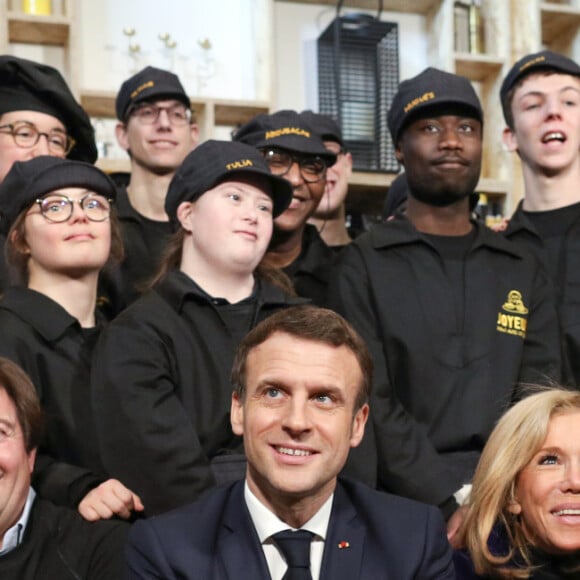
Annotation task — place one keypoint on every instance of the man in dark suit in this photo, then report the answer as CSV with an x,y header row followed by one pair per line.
x,y
302,381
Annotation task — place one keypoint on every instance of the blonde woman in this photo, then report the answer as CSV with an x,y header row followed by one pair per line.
x,y
523,520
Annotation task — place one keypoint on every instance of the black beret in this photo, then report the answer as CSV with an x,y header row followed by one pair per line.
x,y
29,86
149,84
431,88
544,60
28,180
285,129
325,126
213,162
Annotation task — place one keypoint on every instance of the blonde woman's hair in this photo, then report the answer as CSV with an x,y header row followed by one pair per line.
x,y
517,437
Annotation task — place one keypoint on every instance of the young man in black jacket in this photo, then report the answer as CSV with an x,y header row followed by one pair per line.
x,y
541,103
455,315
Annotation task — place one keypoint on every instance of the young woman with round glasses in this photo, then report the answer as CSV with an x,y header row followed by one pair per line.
x,y
56,216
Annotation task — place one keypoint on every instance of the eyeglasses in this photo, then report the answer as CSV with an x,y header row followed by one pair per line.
x,y
58,208
178,114
27,135
312,168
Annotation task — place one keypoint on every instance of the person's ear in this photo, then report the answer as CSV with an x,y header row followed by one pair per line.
x,y
358,425
185,215
237,415
19,242
509,139
194,128
515,508
399,155
121,134
31,460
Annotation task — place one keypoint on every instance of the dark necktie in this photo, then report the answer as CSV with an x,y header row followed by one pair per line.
x,y
296,549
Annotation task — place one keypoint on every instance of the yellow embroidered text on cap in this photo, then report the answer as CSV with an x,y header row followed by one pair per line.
x,y
422,99
531,62
239,164
141,88
287,131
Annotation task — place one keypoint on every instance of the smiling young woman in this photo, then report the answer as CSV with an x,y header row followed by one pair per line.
x,y
56,215
161,375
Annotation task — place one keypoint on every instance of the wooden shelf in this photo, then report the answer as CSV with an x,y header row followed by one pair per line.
x,y
232,113
410,6
114,165
558,20
225,112
44,30
98,103
492,187
477,67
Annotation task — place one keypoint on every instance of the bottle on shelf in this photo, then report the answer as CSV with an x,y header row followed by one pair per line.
x,y
37,7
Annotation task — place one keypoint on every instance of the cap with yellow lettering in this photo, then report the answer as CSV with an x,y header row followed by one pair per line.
x,y
214,162
433,88
287,130
545,60
149,84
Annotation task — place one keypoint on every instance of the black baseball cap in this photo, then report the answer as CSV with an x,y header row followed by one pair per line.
x,y
147,85
28,180
430,89
214,162
325,126
287,130
26,85
538,61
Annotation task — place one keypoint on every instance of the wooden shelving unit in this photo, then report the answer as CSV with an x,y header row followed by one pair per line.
x,y
52,30
210,113
512,29
559,23
477,67
408,6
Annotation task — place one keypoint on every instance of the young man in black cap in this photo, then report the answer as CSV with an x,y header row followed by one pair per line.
x,y
157,129
294,151
39,116
540,97
330,215
455,315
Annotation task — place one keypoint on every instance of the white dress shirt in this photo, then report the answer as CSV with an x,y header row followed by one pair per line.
x,y
267,524
13,535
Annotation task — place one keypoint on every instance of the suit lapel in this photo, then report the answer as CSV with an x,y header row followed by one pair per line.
x,y
343,549
238,547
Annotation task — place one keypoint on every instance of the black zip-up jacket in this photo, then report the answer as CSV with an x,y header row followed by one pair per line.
x,y
49,344
441,382
566,285
162,392
59,545
144,241
310,272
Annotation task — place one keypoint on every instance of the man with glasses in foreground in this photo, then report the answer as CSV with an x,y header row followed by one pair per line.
x,y
294,151
157,129
39,116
